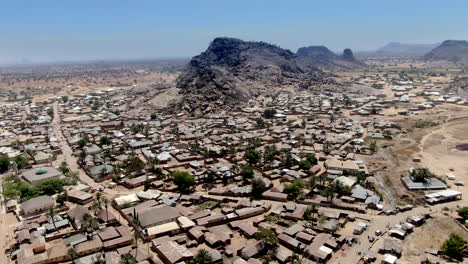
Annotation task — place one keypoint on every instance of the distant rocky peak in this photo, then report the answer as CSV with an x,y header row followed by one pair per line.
x,y
348,55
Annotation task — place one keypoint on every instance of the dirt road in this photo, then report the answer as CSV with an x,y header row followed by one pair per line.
x,y
67,152
383,222
7,227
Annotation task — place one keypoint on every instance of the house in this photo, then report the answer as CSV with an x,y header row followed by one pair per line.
x,y
89,247
126,199
79,197
76,216
157,216
389,259
277,196
40,174
283,255
42,157
346,181
125,238
167,228
92,150
430,184
318,250
443,196
135,182
37,205
251,251
100,170
170,252
392,246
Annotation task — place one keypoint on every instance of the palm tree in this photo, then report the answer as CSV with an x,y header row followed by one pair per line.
x,y
106,204
98,198
202,257
127,259
52,214
89,223
72,254
136,236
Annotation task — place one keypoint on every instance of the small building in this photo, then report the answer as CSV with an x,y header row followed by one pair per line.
x,y
443,196
40,174
79,197
37,205
170,252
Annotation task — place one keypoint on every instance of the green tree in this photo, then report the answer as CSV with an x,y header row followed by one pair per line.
x,y
373,146
312,182
260,122
252,156
50,112
61,198
52,214
135,164
89,223
421,174
269,154
247,172
305,165
104,140
153,116
72,254
4,163
202,257
310,157
127,259
21,161
51,186
269,113
258,187
294,188
183,180
64,167
309,214
268,237
339,188
81,143
27,191
453,247
328,193
463,212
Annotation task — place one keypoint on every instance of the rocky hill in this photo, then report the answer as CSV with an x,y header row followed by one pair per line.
x,y
453,51
231,71
459,87
322,57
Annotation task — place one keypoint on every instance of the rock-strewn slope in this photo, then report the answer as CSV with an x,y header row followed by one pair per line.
x,y
231,71
459,87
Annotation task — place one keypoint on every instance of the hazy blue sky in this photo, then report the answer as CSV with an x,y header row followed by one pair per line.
x,y
47,30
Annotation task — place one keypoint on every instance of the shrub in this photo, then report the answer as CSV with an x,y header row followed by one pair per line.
x,y
183,180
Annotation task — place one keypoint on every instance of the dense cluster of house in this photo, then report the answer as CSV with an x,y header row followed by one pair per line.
x,y
136,154
25,130
411,94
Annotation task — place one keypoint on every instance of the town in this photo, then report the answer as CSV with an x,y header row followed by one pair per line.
x,y
292,177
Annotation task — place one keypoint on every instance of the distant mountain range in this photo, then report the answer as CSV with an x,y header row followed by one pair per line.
x,y
397,49
322,57
453,51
